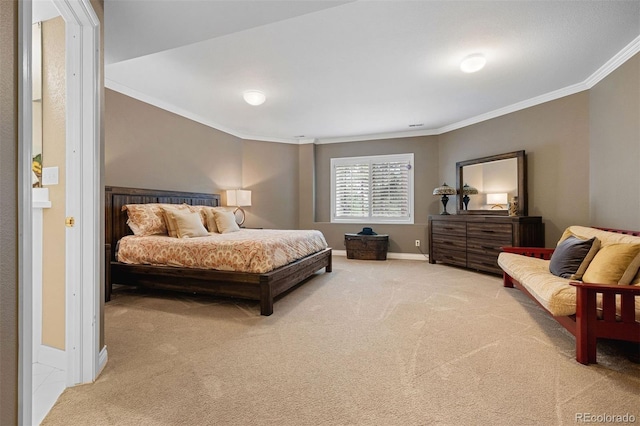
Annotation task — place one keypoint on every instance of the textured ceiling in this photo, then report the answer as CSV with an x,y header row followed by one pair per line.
x,y
339,70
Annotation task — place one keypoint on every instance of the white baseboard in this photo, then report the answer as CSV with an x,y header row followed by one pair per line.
x,y
399,256
52,357
102,360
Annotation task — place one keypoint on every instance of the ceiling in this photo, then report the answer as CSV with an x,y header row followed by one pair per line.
x,y
357,70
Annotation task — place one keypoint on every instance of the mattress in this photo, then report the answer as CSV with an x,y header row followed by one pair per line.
x,y
248,250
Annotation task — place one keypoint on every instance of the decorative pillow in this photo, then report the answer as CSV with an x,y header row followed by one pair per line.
x,y
210,218
172,227
188,224
632,273
568,233
572,256
226,221
145,219
201,211
611,264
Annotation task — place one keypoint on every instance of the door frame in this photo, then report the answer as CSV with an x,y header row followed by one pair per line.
x,y
83,188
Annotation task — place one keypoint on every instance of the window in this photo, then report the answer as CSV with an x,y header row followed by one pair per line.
x,y
376,189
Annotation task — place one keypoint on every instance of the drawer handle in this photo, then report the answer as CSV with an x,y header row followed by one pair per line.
x,y
488,247
488,231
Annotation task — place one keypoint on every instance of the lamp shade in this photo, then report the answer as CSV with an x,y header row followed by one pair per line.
x,y
468,190
499,198
238,197
444,190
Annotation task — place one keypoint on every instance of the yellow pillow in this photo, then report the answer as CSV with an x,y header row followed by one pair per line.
x,y
226,221
610,264
172,228
632,274
188,224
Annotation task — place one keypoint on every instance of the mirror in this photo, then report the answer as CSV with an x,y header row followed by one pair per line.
x,y
497,179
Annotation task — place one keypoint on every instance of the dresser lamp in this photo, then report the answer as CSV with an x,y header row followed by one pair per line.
x,y
466,191
239,198
444,190
497,201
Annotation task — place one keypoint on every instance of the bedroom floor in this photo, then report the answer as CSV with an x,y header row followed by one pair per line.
x,y
393,342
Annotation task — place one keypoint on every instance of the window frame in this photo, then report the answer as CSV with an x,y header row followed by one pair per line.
x,y
408,220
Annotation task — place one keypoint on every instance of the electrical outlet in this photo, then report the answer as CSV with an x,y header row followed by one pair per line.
x,y
417,243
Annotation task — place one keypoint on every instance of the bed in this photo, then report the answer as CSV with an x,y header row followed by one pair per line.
x,y
263,287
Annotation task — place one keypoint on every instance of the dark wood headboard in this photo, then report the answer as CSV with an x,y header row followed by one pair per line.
x,y
116,220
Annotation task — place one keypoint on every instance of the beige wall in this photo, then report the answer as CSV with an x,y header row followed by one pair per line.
x,y
291,184
401,237
8,213
53,155
270,171
147,147
555,136
614,123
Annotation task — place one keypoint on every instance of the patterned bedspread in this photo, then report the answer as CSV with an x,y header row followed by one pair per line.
x,y
248,250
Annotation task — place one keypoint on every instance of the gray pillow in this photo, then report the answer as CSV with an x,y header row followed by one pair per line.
x,y
572,256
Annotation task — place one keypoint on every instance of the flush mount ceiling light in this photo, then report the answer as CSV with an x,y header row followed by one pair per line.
x,y
473,63
254,97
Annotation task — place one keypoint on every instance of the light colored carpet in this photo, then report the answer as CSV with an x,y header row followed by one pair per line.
x,y
372,343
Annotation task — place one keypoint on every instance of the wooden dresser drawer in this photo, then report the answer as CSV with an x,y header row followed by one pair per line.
x,y
487,246
452,257
449,228
449,241
501,231
487,263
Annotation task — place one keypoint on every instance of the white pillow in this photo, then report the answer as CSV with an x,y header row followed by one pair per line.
x,y
226,221
210,218
188,224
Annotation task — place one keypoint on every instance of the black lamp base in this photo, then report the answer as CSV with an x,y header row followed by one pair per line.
x,y
444,200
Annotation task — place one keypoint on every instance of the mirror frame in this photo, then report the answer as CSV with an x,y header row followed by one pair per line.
x,y
522,183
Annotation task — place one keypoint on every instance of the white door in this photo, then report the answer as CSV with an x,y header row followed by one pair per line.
x,y
83,239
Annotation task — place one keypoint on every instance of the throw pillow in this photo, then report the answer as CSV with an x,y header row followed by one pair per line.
x,y
614,264
145,219
172,228
210,218
188,224
572,256
226,221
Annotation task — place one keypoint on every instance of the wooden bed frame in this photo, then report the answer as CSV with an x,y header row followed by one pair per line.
x,y
262,287
585,325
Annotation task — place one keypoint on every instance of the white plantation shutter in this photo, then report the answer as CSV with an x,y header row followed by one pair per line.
x,y
352,190
376,189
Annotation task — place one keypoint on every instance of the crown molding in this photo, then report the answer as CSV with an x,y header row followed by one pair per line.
x,y
378,136
551,96
611,65
132,93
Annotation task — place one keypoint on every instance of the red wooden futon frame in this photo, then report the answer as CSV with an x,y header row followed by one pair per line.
x,y
586,325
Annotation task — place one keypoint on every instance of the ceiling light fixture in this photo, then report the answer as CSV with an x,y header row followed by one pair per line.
x,y
254,97
473,63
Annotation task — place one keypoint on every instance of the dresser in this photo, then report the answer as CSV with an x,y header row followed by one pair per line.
x,y
474,241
